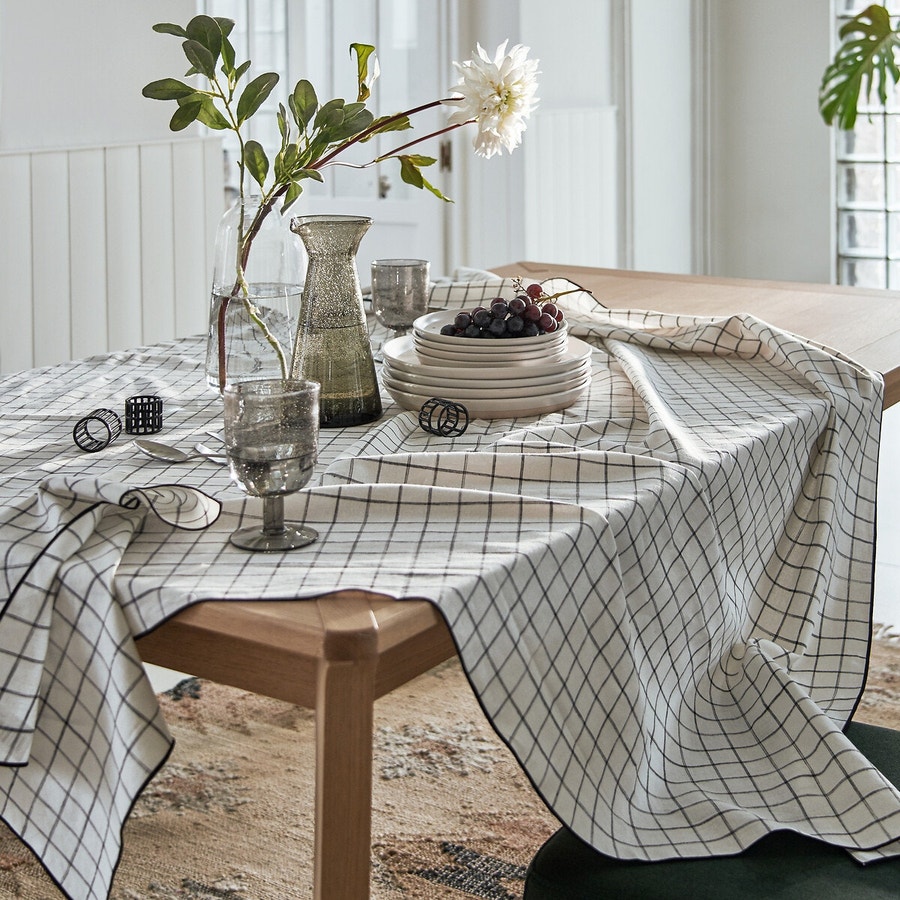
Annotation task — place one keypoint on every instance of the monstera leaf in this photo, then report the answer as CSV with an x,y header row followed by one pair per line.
x,y
865,59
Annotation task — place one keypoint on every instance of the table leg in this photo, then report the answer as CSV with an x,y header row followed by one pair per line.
x,y
344,713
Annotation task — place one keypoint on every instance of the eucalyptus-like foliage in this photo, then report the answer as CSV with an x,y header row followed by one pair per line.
x,y
313,134
866,59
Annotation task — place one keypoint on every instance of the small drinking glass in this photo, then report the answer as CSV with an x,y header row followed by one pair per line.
x,y
271,438
399,292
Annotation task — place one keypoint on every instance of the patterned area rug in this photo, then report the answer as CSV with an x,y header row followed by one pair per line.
x,y
229,817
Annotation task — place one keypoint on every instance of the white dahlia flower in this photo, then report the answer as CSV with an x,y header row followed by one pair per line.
x,y
498,95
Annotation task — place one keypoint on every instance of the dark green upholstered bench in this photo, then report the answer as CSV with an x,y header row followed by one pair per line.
x,y
780,866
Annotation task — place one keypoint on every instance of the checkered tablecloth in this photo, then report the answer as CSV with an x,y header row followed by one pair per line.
x,y
661,595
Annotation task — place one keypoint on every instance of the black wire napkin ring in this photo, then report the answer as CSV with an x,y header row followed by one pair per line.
x,y
443,417
93,439
143,414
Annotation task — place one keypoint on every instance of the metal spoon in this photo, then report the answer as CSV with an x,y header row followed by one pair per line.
x,y
168,453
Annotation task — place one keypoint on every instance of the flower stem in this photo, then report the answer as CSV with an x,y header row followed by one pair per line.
x,y
245,242
374,128
425,137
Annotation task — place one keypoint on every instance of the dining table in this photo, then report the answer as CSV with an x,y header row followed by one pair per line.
x,y
339,634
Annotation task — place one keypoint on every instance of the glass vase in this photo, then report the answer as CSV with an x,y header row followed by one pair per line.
x,y
254,305
332,343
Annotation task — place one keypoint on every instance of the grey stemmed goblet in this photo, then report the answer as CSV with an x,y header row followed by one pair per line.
x,y
271,438
399,292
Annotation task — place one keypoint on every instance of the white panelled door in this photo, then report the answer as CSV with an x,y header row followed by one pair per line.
x,y
412,40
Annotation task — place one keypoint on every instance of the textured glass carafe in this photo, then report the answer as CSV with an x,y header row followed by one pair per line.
x,y
253,310
332,344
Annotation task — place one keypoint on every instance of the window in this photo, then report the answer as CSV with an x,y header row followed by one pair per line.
x,y
260,34
868,188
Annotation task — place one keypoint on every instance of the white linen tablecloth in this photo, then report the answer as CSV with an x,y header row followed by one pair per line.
x,y
661,595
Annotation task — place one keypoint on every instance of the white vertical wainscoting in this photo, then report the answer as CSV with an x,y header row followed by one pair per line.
x,y
571,186
16,332
105,248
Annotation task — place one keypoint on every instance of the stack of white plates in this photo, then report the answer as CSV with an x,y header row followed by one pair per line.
x,y
439,349
494,384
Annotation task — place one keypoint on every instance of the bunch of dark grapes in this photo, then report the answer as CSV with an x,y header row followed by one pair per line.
x,y
528,314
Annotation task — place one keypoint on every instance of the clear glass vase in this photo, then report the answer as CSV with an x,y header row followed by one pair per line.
x,y
254,306
332,343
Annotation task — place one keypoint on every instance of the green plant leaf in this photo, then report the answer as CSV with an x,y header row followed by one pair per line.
x,y
241,70
293,192
291,157
210,115
255,95
225,25
315,174
200,58
256,161
353,109
169,28
384,124
365,79
352,125
205,31
184,115
436,191
168,89
330,115
411,174
228,58
285,162
866,57
304,103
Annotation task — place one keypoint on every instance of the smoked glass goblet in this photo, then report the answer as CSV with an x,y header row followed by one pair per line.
x,y
399,292
271,439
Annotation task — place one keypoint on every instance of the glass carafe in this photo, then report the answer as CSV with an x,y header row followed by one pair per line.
x,y
332,343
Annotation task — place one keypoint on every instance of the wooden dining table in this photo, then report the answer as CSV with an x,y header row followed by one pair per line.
x,y
338,653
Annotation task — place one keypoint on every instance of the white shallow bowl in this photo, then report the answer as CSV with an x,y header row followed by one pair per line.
x,y
438,356
492,408
428,327
488,392
425,380
401,354
477,346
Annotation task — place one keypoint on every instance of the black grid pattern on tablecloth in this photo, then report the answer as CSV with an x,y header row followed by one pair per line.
x,y
660,594
79,725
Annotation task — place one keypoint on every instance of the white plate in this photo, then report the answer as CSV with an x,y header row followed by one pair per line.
x,y
426,380
400,353
505,348
439,356
429,327
488,392
494,409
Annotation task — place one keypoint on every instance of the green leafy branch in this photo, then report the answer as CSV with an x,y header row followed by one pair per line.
x,y
313,134
865,59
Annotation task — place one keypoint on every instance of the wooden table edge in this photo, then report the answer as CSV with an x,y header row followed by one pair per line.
x,y
273,647
880,352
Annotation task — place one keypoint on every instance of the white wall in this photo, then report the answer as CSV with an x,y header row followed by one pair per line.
x,y
573,40
71,72
570,150
769,201
771,210
486,220
657,168
741,186
92,178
